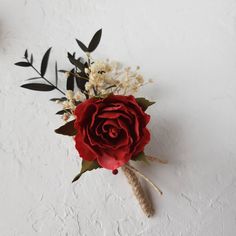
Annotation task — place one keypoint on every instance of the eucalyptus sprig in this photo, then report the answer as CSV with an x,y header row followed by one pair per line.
x,y
44,64
76,74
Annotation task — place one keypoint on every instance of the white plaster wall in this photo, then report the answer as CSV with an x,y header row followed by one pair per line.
x,y
189,49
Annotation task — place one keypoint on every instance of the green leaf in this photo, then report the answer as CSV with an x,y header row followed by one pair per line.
x,y
63,71
56,74
83,75
81,79
141,157
26,53
44,63
82,46
61,112
95,41
144,103
86,166
67,129
62,99
75,62
38,87
70,81
80,82
31,58
23,64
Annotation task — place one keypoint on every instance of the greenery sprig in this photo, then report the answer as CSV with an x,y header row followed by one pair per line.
x,y
75,75
44,63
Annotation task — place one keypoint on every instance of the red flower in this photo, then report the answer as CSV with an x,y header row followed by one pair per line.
x,y
111,130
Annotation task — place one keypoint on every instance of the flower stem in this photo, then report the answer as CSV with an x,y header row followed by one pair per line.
x,y
138,191
145,178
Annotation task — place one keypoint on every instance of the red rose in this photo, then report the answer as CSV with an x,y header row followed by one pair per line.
x,y
111,130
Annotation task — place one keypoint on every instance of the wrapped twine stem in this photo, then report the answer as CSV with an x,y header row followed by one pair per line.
x,y
142,198
144,202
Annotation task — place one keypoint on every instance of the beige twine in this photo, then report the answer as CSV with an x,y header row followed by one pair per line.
x,y
144,202
156,159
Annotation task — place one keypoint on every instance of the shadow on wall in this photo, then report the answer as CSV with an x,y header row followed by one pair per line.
x,y
165,139
166,131
165,144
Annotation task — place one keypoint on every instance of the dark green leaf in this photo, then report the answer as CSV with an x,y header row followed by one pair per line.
x,y
70,81
141,157
56,73
61,112
34,78
26,53
75,62
80,82
31,59
44,62
63,71
86,65
144,103
67,129
82,46
38,87
95,41
62,99
83,75
23,64
86,166
71,58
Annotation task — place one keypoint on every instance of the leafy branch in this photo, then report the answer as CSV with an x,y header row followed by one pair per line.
x,y
76,75
44,63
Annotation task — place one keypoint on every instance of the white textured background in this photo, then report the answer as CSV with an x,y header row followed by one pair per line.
x,y
189,49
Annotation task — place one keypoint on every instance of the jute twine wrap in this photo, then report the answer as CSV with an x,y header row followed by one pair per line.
x,y
142,198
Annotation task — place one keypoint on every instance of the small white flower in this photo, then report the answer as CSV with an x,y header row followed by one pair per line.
x,y
79,96
66,105
72,105
69,94
86,70
140,79
110,74
67,74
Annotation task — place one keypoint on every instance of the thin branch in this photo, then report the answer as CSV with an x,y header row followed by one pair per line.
x,y
77,75
45,78
112,86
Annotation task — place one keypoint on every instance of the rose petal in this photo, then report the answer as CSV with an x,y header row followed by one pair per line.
x,y
114,160
84,149
145,138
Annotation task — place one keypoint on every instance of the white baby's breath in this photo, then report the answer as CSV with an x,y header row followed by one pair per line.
x,y
79,96
104,77
107,77
69,94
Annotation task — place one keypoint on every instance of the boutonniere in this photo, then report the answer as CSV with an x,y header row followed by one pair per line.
x,y
100,111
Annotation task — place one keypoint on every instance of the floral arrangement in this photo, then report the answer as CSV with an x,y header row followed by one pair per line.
x,y
108,124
